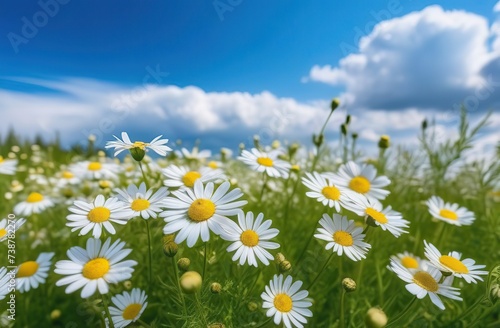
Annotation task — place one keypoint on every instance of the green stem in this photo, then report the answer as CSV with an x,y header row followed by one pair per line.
x,y
143,323
402,314
181,295
379,283
469,310
150,257
320,272
106,309
342,297
200,309
144,177
304,249
264,324
264,180
205,262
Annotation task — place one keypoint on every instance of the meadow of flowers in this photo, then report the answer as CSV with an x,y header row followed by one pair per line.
x,y
151,234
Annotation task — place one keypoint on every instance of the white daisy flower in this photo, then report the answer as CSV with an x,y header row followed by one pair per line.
x,y
267,162
361,179
195,154
425,282
450,213
194,211
66,178
343,236
98,215
35,203
408,261
182,176
143,203
285,302
387,218
8,166
4,282
128,307
157,145
3,227
30,274
95,170
250,239
324,190
95,267
215,165
466,269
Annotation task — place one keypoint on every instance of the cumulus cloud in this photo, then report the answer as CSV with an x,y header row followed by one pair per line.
x,y
430,60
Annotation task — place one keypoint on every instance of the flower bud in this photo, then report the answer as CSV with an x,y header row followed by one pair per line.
x,y
252,306
215,288
170,249
349,285
137,153
190,282
276,144
55,314
183,264
127,284
424,125
384,142
216,325
285,266
375,318
334,104
279,257
348,119
343,129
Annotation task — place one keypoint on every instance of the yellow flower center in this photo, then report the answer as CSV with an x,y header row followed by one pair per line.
x,y
453,264
213,165
96,268
67,175
99,214
27,269
283,302
426,281
331,193
343,238
1,159
409,262
265,161
447,214
190,178
104,184
140,205
376,215
139,144
131,311
94,166
249,238
34,197
360,184
201,210
3,232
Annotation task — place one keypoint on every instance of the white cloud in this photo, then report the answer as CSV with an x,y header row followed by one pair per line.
x,y
430,59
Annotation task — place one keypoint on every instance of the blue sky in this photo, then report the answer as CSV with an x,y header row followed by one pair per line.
x,y
223,70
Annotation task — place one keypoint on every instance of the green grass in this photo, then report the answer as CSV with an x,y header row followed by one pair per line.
x,y
434,168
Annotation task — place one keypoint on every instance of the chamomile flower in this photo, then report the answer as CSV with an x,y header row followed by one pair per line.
x,y
267,162
285,302
8,166
95,170
4,230
182,176
30,274
408,261
4,282
343,236
193,212
466,269
387,218
66,178
425,282
195,154
143,202
157,145
35,203
449,213
250,239
128,307
98,215
324,190
94,267
361,179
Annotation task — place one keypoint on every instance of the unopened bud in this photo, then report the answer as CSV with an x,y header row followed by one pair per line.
x,y
137,153
127,284
215,288
424,124
170,249
183,264
279,257
384,142
216,325
334,104
190,282
55,314
276,144
343,129
375,318
252,306
285,266
354,135
348,119
349,285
